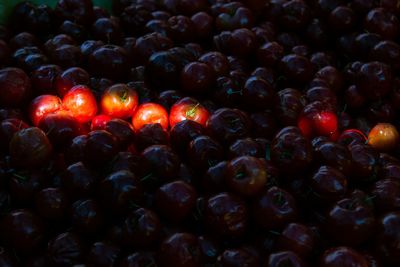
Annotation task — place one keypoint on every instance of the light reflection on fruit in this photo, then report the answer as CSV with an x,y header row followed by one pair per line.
x,y
188,109
149,113
383,137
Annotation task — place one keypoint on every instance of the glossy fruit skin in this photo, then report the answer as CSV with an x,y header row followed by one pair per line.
x,y
246,175
175,200
65,249
351,136
328,184
160,161
257,94
203,152
149,113
99,122
81,103
226,215
387,194
78,181
342,256
274,208
60,127
298,238
365,163
180,250
290,148
101,146
374,79
139,259
52,203
151,134
238,257
318,119
8,127
227,125
70,78
334,155
15,87
188,109
43,79
87,217
388,237
297,68
284,257
23,230
30,148
141,228
353,222
103,254
118,190
289,103
109,61
119,101
79,11
245,147
197,78
383,137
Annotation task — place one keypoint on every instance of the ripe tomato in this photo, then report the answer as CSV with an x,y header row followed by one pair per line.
x,y
81,103
119,101
149,113
383,137
43,105
188,109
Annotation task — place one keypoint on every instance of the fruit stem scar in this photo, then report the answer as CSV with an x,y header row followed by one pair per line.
x,y
274,232
190,113
148,176
124,96
20,177
231,91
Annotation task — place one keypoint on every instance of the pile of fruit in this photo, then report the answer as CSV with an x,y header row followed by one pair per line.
x,y
188,133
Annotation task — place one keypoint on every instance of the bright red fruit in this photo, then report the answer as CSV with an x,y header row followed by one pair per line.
x,y
323,123
188,109
43,105
149,113
326,123
81,103
119,101
99,122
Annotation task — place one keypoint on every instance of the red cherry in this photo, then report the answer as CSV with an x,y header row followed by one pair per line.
x,y
43,105
119,101
149,113
188,109
81,103
325,123
99,122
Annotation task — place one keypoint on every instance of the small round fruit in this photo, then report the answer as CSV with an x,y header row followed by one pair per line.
x,y
383,137
149,113
43,105
15,87
188,109
81,103
30,147
119,101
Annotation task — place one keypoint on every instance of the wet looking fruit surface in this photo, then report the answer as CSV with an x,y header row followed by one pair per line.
x,y
197,133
